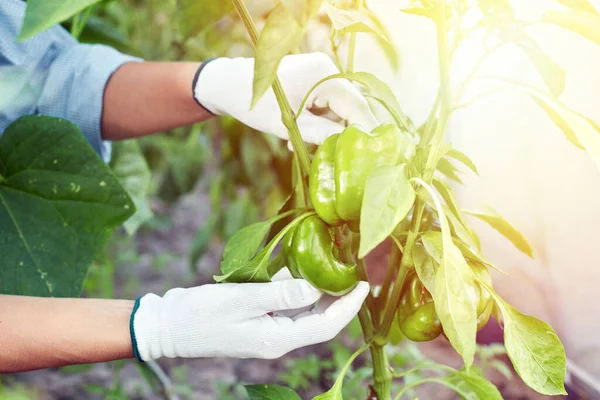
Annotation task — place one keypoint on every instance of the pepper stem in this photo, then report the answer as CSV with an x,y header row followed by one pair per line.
x,y
287,115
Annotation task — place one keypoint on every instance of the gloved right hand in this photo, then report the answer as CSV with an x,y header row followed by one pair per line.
x,y
224,87
243,320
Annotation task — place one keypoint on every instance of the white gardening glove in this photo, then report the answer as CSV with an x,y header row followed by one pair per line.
x,y
242,320
224,87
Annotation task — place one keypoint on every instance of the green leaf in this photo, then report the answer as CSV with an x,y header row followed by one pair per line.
x,y
446,168
453,281
270,392
342,19
554,76
244,244
356,21
428,12
335,393
378,89
474,384
496,221
197,16
42,14
464,159
281,34
559,121
424,265
583,5
533,348
581,22
457,221
578,129
495,7
388,198
59,204
129,165
257,269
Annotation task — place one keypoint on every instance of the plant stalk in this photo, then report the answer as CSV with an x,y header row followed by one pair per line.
x,y
382,372
432,160
351,50
287,114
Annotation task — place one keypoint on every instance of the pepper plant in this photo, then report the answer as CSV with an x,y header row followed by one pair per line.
x,y
361,188
356,191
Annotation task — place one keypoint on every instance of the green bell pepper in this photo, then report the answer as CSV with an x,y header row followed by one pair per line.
x,y
308,253
343,163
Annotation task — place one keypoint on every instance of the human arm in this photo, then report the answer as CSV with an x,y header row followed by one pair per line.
x,y
38,332
252,320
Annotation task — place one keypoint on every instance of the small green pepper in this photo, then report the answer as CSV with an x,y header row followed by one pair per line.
x,y
308,253
417,317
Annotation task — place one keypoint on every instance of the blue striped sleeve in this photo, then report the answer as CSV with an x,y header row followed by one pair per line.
x,y
53,74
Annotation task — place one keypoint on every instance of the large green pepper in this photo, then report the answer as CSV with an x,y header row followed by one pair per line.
x,y
417,317
308,253
343,163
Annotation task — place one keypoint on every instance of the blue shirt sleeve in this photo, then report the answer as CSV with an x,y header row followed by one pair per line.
x,y
53,74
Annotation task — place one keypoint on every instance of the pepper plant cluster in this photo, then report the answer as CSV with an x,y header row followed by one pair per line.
x,y
360,188
357,190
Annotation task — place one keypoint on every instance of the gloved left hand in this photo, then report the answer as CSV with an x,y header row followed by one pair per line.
x,y
243,320
224,87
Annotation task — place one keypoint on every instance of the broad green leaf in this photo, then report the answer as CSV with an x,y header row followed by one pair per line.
x,y
424,266
580,130
197,16
466,233
452,295
270,392
492,218
495,7
584,5
335,393
42,14
474,385
388,198
464,159
534,349
583,23
378,89
433,244
129,165
59,204
446,168
281,34
256,269
244,244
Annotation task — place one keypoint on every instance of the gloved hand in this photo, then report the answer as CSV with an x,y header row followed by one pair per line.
x,y
242,320
224,87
